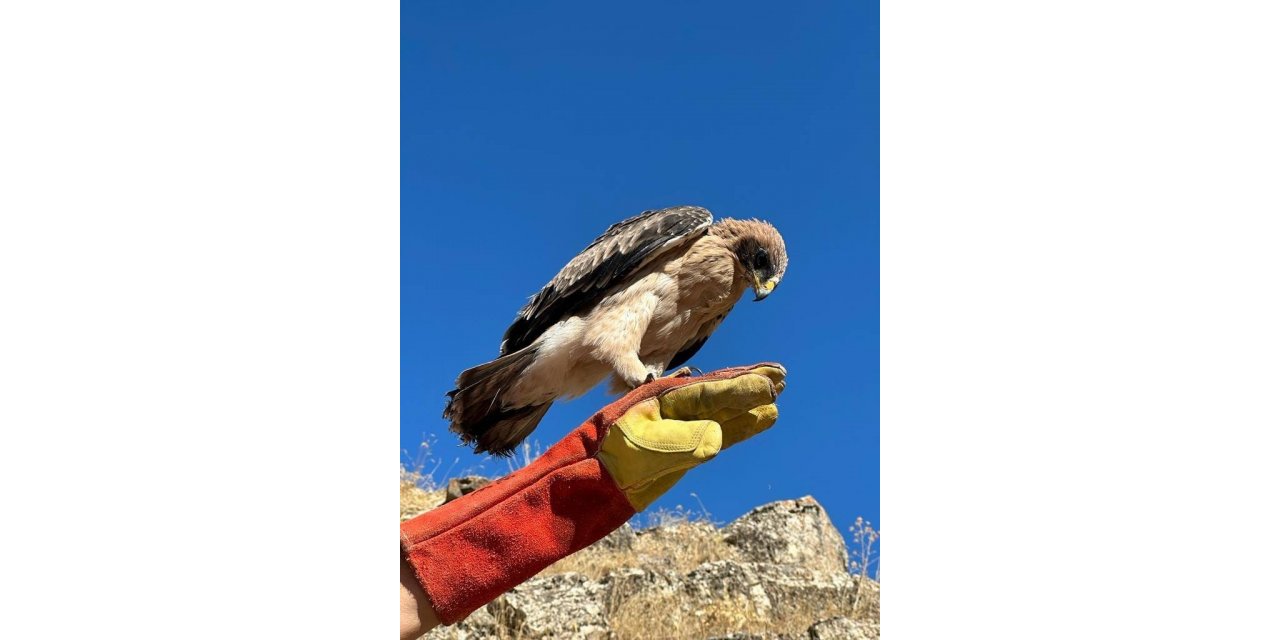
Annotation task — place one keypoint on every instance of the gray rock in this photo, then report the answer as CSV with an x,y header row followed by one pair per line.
x,y
789,532
770,591
727,581
459,487
568,606
620,539
480,625
742,635
868,600
622,584
649,597
842,628
677,531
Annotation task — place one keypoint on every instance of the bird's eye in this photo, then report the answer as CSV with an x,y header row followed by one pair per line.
x,y
761,260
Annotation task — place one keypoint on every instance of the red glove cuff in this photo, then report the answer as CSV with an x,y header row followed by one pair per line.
x,y
472,550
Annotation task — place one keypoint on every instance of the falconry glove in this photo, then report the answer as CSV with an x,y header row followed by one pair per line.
x,y
473,549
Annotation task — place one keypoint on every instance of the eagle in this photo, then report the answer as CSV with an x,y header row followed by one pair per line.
x,y
638,301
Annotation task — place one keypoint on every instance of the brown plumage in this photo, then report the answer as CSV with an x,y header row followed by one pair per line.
x,y
639,300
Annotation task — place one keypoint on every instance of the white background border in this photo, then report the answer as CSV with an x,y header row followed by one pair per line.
x,y
1080,319
200,263
199,352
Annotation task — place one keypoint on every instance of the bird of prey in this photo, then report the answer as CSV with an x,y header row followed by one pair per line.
x,y
639,300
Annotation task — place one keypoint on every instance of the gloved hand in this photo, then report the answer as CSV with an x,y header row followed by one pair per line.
x,y
473,549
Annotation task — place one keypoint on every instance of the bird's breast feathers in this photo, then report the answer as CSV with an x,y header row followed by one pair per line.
x,y
654,314
681,294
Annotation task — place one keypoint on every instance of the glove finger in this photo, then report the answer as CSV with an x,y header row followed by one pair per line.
x,y
750,367
748,424
771,370
724,397
776,373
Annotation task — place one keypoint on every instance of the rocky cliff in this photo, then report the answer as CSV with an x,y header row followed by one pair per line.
x,y
779,572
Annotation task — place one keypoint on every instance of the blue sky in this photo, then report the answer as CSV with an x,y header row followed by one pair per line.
x,y
527,128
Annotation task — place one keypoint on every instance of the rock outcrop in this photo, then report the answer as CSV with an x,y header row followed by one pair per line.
x,y
789,532
842,628
787,579
459,487
565,606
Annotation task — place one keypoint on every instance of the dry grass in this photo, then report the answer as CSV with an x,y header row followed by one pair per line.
x,y
414,499
675,543
638,616
675,540
862,556
419,490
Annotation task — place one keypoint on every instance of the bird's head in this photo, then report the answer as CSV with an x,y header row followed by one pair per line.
x,y
760,252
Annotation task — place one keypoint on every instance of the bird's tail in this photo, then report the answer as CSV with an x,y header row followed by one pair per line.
x,y
477,413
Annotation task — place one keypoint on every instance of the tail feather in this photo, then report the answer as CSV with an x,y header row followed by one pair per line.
x,y
476,410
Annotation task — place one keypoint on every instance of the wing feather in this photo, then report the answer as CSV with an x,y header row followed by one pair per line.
x,y
622,250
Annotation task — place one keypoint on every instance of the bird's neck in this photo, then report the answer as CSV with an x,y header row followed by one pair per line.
x,y
710,271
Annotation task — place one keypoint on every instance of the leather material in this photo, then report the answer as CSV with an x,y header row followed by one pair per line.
x,y
469,551
655,442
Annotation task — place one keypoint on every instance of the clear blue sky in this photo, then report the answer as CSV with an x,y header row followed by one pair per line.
x,y
527,128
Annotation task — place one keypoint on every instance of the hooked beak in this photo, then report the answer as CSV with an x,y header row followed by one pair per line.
x,y
763,290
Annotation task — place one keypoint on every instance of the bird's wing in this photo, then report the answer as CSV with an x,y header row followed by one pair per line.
x,y
689,349
621,251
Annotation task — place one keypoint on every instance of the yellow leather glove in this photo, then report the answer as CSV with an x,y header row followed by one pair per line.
x,y
657,440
